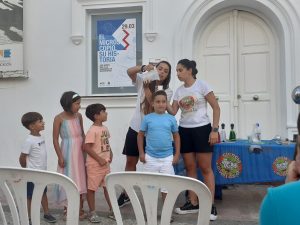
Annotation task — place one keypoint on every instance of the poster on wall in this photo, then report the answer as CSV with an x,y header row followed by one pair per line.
x,y
116,40
11,39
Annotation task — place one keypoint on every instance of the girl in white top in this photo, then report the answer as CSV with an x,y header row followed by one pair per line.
x,y
197,134
145,89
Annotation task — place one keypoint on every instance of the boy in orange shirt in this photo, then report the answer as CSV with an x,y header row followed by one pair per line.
x,y
99,157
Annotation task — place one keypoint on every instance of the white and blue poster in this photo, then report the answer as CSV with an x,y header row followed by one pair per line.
x,y
11,38
116,51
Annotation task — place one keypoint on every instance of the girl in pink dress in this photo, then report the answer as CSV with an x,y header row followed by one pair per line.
x,y
69,126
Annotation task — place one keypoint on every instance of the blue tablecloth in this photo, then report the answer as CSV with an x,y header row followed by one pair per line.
x,y
236,162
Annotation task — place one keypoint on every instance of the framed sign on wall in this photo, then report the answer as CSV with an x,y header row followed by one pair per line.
x,y
11,39
116,46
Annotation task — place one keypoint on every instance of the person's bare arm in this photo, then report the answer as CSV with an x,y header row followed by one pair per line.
x,y
111,155
133,71
173,109
82,130
211,99
22,159
176,139
56,127
81,124
140,141
292,174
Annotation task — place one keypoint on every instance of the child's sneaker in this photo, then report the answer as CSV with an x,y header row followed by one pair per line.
x,y
49,218
213,214
123,200
188,207
29,222
94,218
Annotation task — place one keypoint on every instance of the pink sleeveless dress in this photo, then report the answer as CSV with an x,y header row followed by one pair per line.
x,y
71,147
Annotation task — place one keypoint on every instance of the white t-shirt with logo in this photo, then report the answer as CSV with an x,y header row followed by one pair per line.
x,y
193,104
138,115
35,148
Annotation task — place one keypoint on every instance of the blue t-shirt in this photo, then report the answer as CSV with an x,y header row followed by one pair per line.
x,y
158,129
281,205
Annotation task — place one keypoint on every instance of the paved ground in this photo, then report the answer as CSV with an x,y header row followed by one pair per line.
x,y
240,206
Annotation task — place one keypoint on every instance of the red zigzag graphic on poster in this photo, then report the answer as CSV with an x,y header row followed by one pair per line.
x,y
124,39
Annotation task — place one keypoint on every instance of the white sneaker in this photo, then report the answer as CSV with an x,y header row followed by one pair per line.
x,y
213,213
94,218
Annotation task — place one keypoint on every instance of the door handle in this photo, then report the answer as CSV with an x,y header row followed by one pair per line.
x,y
255,97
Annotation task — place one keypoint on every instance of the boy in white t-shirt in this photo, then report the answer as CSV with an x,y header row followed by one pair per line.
x,y
34,156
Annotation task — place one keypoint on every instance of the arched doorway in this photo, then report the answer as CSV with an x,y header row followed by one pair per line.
x,y
237,56
279,15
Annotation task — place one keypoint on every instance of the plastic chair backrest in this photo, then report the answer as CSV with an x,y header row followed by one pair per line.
x,y
149,185
13,183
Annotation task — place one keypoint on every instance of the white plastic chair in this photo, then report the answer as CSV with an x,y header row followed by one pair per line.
x,y
13,182
150,184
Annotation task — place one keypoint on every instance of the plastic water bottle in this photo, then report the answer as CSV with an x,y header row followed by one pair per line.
x,y
223,133
256,133
232,134
150,75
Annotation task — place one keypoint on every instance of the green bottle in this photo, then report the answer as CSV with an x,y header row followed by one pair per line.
x,y
232,135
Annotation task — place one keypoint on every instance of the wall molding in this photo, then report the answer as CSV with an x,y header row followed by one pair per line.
x,y
80,8
109,101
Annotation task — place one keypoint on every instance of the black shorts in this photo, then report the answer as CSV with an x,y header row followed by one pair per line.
x,y
30,187
131,146
195,139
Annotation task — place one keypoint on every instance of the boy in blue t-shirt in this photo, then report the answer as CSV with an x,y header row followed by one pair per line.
x,y
158,127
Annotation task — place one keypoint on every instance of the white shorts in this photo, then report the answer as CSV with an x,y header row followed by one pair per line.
x,y
159,165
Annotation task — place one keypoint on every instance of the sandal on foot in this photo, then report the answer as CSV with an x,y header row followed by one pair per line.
x,y
65,214
111,215
82,215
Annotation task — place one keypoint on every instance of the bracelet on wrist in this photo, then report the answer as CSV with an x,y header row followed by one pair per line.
x,y
143,68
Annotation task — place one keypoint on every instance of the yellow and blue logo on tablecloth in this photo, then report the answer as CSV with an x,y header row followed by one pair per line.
x,y
280,165
229,165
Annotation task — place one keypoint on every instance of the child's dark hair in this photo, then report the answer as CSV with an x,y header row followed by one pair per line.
x,y
94,109
67,99
189,64
30,118
160,92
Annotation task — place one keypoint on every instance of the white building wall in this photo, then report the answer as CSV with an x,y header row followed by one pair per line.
x,y
55,65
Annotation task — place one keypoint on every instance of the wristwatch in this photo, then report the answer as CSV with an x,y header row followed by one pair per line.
x,y
143,68
215,129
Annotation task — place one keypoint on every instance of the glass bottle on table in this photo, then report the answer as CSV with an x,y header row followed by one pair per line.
x,y
232,134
